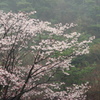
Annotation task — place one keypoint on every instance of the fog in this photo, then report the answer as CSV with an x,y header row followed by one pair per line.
x,y
81,16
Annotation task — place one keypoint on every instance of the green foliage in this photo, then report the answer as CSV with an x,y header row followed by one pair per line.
x,y
25,6
64,53
77,74
84,37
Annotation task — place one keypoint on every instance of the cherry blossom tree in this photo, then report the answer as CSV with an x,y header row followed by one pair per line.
x,y
21,36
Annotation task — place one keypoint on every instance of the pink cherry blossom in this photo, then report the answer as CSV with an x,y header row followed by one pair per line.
x,y
21,36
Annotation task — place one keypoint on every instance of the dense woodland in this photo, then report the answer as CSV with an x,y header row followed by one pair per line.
x,y
85,13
